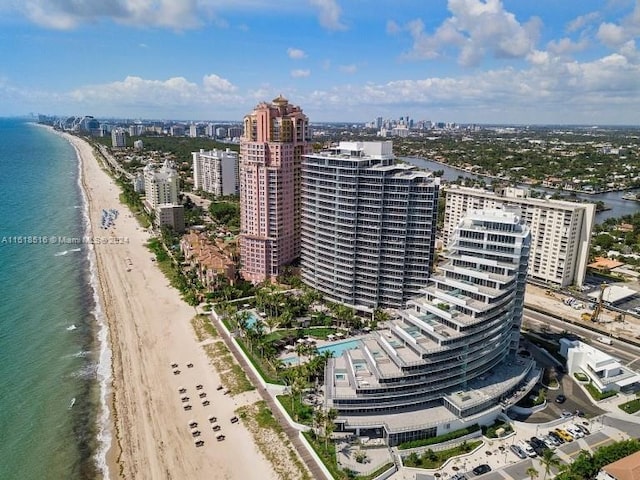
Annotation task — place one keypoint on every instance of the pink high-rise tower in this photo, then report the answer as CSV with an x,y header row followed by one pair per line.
x,y
276,136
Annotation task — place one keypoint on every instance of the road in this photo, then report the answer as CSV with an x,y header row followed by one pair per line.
x,y
626,353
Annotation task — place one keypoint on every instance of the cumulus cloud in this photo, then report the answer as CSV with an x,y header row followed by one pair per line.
x,y
329,14
477,28
296,53
66,14
300,73
582,21
141,92
550,86
611,35
566,46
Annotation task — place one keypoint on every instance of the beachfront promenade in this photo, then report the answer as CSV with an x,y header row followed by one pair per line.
x,y
292,433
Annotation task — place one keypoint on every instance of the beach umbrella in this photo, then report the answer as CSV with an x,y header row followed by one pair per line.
x,y
192,422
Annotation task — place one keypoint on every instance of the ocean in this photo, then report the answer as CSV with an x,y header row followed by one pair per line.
x,y
52,336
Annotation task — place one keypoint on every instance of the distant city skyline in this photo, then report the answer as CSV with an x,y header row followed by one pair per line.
x,y
464,61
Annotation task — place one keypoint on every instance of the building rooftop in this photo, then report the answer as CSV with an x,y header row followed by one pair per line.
x,y
627,468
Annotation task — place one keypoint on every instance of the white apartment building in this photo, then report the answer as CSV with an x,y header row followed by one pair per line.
x,y
161,185
560,230
450,358
368,225
216,171
118,138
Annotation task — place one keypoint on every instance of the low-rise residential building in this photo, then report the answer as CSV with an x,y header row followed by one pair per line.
x,y
209,260
604,371
627,468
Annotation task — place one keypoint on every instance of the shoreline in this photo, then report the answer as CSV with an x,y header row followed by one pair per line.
x,y
149,328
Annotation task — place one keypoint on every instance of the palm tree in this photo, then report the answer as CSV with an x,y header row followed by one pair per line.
x,y
329,425
272,323
549,460
532,473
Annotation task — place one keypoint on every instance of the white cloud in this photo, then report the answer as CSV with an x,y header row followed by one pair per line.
x,y
582,21
566,46
611,35
300,73
477,28
569,90
393,27
296,53
329,14
67,14
351,69
141,93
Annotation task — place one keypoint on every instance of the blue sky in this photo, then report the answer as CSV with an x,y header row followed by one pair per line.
x,y
484,61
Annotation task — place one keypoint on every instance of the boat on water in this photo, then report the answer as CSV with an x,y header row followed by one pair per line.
x,y
72,403
71,327
631,196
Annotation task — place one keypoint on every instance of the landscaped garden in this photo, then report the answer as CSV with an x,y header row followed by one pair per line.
x,y
432,459
491,430
630,407
597,394
440,438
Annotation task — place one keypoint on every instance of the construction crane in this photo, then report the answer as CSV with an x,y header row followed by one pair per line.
x,y
598,309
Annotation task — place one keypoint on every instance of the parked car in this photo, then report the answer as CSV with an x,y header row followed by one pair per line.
x,y
524,445
538,445
481,469
556,437
518,451
550,441
566,436
561,399
574,431
584,429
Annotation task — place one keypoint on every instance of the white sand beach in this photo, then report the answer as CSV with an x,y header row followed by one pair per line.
x,y
149,328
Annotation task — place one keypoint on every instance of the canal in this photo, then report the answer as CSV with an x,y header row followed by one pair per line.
x,y
618,206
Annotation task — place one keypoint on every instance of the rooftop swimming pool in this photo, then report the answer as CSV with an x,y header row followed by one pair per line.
x,y
336,348
339,347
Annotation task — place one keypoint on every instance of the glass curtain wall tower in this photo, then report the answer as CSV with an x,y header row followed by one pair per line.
x,y
368,225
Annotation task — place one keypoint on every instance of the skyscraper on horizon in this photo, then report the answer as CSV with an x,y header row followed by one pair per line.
x,y
275,137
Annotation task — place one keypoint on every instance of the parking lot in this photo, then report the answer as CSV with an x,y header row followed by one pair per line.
x,y
506,465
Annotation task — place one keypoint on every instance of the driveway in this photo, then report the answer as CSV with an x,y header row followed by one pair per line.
x,y
577,399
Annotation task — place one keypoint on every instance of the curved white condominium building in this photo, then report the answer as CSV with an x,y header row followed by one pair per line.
x,y
450,358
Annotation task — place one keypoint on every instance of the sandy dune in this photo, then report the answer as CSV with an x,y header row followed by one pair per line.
x,y
149,330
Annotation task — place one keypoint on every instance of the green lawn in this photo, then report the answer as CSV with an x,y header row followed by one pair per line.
x,y
597,394
304,411
630,407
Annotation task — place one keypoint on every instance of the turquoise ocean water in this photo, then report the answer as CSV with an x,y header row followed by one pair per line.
x,y
51,339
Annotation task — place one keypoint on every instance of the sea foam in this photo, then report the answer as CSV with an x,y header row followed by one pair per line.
x,y
103,368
